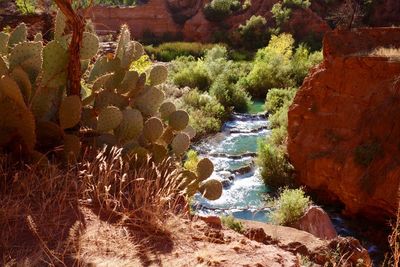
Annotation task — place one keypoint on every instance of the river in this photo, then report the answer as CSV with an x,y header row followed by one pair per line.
x,y
233,152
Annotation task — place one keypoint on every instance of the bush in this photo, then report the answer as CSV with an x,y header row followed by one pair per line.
x,y
280,13
277,97
232,223
191,160
206,113
254,33
290,206
276,171
195,77
218,10
170,51
297,3
26,6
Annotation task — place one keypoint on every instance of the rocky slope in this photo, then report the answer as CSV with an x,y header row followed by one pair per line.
x,y
344,125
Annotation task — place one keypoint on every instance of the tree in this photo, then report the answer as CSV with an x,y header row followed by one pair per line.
x,y
348,15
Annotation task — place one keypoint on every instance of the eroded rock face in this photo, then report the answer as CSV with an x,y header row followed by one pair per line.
x,y
344,126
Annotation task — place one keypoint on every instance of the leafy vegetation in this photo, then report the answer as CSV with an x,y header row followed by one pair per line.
x,y
173,50
26,6
254,33
218,10
290,206
230,222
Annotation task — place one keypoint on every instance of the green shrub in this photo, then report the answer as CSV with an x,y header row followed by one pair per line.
x,y
195,77
191,160
218,10
276,171
280,13
254,33
172,50
232,223
277,97
229,94
206,113
290,206
297,3
26,6
302,61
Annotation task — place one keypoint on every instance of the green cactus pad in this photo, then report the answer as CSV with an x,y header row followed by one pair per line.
x,y
167,136
133,51
10,89
139,87
109,119
166,109
107,98
26,51
211,189
129,82
19,124
159,152
90,46
153,129
70,111
178,120
3,67
192,188
24,84
204,169
72,147
33,68
103,66
45,102
131,125
180,143
149,101
3,43
190,131
55,63
115,81
18,35
101,81
59,25
38,37
123,40
158,75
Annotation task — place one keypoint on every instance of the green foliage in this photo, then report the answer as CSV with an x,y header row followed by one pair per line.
x,y
169,51
232,223
191,161
194,77
218,10
141,65
26,6
365,154
206,113
290,206
279,65
280,13
254,33
276,98
297,3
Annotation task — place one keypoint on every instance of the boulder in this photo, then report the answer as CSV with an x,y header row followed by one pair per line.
x,y
316,222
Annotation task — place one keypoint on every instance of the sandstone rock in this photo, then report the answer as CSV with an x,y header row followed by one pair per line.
x,y
214,221
317,222
343,124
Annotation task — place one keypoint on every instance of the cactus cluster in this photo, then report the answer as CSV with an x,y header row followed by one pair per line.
x,y
119,107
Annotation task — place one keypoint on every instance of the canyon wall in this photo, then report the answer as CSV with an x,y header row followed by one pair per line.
x,y
344,124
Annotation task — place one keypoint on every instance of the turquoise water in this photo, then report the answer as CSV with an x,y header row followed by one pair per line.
x,y
257,106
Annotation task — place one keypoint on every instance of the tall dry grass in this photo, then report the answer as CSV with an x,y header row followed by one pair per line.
x,y
41,204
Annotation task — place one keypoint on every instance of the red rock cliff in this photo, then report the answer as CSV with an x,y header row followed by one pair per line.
x,y
344,124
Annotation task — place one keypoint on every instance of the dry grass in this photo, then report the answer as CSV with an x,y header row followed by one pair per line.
x,y
389,52
42,208
394,242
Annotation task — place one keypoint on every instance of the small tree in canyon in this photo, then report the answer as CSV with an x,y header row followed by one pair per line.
x,y
349,15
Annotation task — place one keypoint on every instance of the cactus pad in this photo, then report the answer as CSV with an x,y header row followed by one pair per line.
x,y
190,131
3,67
88,118
180,143
158,75
3,43
103,66
178,120
211,189
55,63
153,129
101,81
18,35
70,111
59,25
131,125
48,135
26,51
123,40
204,169
149,101
132,52
38,37
186,177
108,98
24,84
129,82
159,152
167,136
109,119
10,89
72,147
90,46
166,109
